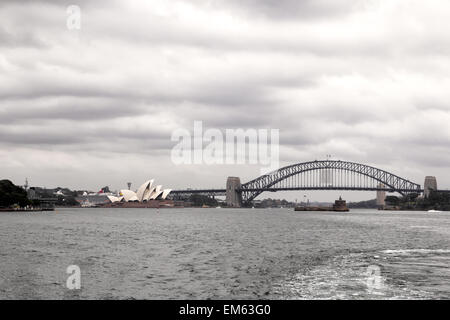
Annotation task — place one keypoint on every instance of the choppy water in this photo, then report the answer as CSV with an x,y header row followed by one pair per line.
x,y
225,253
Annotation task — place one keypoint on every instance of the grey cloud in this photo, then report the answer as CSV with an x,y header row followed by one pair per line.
x,y
9,38
38,138
81,138
292,9
334,77
76,110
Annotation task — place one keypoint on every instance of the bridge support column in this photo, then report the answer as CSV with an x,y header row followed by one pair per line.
x,y
381,196
233,197
429,184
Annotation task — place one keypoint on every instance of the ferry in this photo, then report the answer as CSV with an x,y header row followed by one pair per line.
x,y
339,206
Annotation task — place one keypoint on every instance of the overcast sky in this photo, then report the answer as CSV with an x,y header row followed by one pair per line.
x,y
365,81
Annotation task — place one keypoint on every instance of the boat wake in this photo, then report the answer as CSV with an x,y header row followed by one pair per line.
x,y
387,274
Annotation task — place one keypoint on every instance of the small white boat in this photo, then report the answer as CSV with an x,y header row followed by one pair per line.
x,y
434,211
87,204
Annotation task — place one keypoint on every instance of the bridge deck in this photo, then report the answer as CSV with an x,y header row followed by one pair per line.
x,y
198,191
293,189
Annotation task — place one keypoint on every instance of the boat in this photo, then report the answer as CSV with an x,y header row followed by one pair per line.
x,y
88,204
433,211
313,208
338,206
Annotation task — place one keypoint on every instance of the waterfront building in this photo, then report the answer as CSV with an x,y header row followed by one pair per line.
x,y
144,193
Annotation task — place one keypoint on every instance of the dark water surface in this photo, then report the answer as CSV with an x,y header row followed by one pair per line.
x,y
225,253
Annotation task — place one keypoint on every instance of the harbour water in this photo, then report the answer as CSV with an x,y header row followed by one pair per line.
x,y
225,253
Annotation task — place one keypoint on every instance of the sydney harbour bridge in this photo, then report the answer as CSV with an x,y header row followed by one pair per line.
x,y
314,175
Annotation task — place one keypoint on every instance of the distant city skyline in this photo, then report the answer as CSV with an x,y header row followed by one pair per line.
x,y
362,81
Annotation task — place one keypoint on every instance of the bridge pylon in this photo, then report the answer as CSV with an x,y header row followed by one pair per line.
x,y
233,195
429,184
381,196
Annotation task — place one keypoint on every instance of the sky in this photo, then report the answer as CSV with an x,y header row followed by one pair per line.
x,y
360,80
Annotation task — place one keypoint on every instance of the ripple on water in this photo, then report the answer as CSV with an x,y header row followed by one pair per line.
x,y
231,254
402,274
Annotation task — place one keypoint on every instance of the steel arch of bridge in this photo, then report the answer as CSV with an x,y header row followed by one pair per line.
x,y
268,182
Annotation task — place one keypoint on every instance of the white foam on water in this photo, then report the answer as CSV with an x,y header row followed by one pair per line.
x,y
407,251
345,277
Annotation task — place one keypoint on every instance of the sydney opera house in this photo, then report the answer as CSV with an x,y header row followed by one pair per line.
x,y
145,193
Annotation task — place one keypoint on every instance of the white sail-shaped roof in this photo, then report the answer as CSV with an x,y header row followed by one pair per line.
x,y
165,193
113,199
158,195
149,193
142,189
144,193
156,192
127,195
133,199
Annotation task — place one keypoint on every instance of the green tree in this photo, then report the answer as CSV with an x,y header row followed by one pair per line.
x,y
392,200
200,200
11,194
